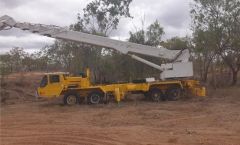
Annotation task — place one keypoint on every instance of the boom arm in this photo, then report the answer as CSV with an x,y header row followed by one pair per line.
x,y
121,46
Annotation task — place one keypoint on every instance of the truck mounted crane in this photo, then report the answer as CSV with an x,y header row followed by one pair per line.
x,y
174,77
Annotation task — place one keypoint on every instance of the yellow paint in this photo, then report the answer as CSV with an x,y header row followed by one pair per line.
x,y
201,91
83,86
117,95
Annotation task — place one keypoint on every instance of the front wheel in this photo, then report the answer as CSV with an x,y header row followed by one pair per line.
x,y
70,99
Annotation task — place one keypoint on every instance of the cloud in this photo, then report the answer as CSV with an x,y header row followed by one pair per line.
x,y
54,12
29,42
13,3
173,15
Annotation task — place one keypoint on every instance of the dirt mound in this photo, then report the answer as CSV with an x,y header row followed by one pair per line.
x,y
20,87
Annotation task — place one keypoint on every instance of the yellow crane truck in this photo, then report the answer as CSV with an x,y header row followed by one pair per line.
x,y
175,77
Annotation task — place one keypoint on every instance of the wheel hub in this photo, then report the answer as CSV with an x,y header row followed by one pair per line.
x,y
71,100
155,96
95,99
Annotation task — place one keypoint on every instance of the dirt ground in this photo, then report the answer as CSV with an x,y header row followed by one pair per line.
x,y
214,120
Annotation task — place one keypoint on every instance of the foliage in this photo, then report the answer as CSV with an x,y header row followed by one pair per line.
x,y
99,17
215,44
219,20
152,36
177,43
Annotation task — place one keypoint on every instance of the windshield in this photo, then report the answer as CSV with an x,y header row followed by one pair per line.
x,y
44,81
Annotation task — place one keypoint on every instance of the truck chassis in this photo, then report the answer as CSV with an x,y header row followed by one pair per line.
x,y
76,89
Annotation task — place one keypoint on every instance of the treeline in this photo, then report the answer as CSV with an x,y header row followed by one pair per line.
x,y
215,45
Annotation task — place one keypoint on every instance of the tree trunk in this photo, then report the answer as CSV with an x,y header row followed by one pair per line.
x,y
213,81
205,71
205,76
234,77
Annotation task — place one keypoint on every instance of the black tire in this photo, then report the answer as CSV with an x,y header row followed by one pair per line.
x,y
95,98
106,99
156,95
174,93
71,99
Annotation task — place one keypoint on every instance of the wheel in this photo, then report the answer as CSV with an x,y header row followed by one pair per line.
x,y
95,98
106,98
174,93
70,99
156,95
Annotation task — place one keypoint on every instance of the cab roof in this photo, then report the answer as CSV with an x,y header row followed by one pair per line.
x,y
57,73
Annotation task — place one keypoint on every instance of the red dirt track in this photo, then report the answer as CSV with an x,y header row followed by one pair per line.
x,y
205,122
214,120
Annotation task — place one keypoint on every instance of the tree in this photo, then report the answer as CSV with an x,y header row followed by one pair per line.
x,y
138,37
5,66
102,16
177,43
220,19
152,36
99,17
204,50
17,54
5,63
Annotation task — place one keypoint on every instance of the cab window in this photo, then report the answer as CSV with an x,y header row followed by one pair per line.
x,y
54,79
44,81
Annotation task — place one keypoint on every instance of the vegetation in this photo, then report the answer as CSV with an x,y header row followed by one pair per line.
x,y
216,34
215,45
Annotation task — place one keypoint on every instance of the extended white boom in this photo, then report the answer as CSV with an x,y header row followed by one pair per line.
x,y
181,67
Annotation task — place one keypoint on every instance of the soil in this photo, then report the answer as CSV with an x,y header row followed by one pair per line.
x,y
213,120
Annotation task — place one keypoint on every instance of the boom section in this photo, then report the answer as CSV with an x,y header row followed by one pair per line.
x,y
65,34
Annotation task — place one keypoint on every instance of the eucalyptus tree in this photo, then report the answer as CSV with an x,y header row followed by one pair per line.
x,y
219,20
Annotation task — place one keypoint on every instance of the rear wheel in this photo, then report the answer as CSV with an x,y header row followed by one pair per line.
x,y
174,93
156,95
70,99
95,98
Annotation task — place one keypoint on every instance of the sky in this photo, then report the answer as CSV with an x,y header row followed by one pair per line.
x,y
173,15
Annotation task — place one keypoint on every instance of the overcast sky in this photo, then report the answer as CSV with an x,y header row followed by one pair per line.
x,y
173,15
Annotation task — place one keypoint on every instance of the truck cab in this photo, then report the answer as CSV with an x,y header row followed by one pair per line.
x,y
52,84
